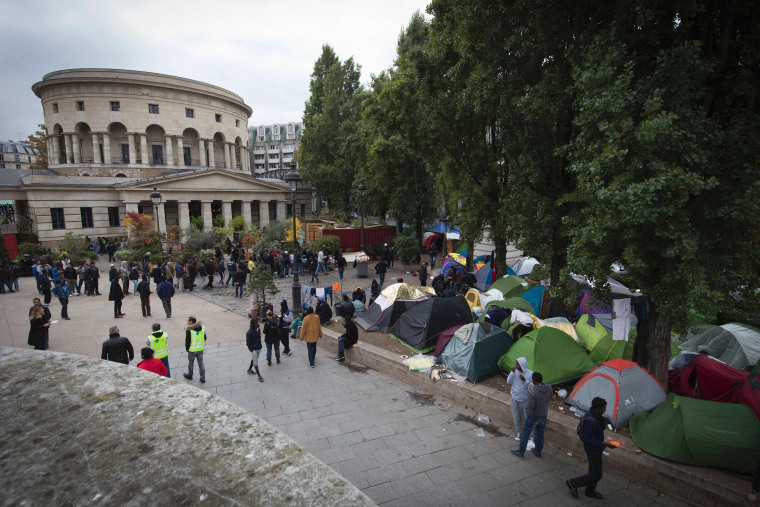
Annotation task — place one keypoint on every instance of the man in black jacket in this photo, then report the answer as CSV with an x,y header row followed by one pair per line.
x,y
117,348
93,274
591,429
346,307
347,339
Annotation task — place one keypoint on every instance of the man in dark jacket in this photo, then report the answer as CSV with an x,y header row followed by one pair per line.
x,y
537,408
423,274
380,269
165,292
323,311
253,342
592,436
210,270
157,274
93,275
346,307
70,275
117,348
143,289
347,339
231,270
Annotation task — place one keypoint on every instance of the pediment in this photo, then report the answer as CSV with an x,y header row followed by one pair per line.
x,y
207,180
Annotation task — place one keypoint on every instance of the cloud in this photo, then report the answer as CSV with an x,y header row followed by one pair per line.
x,y
263,51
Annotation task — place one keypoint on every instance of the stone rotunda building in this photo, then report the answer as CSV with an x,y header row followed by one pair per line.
x,y
113,135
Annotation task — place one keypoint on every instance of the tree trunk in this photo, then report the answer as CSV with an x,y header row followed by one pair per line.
x,y
500,254
658,345
470,254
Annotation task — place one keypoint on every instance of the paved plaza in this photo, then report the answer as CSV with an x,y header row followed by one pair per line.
x,y
397,444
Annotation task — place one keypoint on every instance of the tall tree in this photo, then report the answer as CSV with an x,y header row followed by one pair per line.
x,y
330,145
38,142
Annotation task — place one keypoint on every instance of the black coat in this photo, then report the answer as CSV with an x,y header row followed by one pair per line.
x,y
271,331
118,349
37,332
253,338
324,312
351,334
116,294
347,309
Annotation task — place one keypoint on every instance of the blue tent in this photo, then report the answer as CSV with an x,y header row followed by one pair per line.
x,y
440,228
534,296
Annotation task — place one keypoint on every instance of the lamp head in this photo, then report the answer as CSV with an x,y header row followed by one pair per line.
x,y
293,178
361,187
155,196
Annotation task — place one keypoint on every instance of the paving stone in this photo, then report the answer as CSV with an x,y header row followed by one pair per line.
x,y
281,420
369,447
346,439
381,493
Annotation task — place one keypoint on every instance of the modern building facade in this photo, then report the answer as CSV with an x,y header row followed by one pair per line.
x,y
114,135
273,148
16,155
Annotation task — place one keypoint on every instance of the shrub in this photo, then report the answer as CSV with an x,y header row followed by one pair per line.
x,y
197,223
407,248
175,233
237,223
207,254
328,241
218,221
262,283
33,249
131,256
197,240
72,244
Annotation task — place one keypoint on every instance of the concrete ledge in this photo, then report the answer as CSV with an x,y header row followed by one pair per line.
x,y
80,431
699,486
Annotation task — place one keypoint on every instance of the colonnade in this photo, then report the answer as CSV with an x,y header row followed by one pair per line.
x,y
232,153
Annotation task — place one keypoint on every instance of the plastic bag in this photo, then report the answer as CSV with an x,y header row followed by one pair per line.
x,y
480,433
420,362
483,419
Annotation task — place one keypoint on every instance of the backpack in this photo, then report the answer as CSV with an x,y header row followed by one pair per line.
x,y
178,271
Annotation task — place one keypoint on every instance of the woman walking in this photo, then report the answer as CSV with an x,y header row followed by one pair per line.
x,y
253,341
272,337
38,324
116,295
311,332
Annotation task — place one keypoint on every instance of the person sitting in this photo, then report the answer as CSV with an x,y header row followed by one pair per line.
x,y
347,339
323,311
346,308
525,323
359,307
360,295
150,363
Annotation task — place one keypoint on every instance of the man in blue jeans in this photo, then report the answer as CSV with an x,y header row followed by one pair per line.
x,y
539,395
347,339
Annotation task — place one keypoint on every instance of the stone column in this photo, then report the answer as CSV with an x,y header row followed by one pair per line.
x,y
184,214
263,213
56,150
75,148
241,155
208,223
180,151
107,148
132,150
227,212
162,218
226,155
95,149
282,210
144,149
67,141
246,210
131,206
202,149
233,157
211,161
169,151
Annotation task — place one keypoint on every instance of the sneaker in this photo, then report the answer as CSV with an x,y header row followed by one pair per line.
x,y
518,454
250,372
117,317
337,358
188,377
168,318
261,379
311,366
342,360
203,381
517,437
278,359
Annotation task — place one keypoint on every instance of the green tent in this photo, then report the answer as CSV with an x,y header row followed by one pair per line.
x,y
608,349
700,433
550,351
511,286
590,334
474,350
509,304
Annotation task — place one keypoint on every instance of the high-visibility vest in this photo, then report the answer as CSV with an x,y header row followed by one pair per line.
x,y
160,345
197,339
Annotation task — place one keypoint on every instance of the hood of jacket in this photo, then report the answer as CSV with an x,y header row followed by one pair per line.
x,y
523,363
194,327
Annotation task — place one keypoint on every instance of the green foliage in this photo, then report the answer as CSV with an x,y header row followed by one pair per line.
x,y
327,241
407,248
197,240
131,256
33,249
218,221
207,254
237,223
197,223
262,283
73,245
273,236
330,150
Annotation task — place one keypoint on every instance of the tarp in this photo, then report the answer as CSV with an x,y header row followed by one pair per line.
x,y
560,323
483,272
478,357
510,286
524,266
700,433
404,291
419,327
735,344
552,353
628,388
510,304
451,263
709,379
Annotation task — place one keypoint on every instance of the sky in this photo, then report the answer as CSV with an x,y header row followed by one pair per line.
x,y
262,51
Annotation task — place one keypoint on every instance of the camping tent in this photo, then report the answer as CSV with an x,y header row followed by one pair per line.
x,y
509,303
549,351
535,296
628,388
474,350
524,266
590,330
451,263
510,285
431,238
444,338
700,433
709,379
476,298
483,272
560,323
392,302
735,344
418,328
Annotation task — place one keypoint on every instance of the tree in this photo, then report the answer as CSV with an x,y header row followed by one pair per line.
x,y
38,143
262,283
329,147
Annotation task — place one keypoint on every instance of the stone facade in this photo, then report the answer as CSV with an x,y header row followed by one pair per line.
x,y
16,155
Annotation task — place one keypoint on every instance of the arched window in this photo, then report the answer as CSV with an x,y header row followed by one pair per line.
x,y
85,174
121,175
291,131
275,132
261,134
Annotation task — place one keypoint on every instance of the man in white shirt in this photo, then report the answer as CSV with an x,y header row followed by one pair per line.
x,y
525,323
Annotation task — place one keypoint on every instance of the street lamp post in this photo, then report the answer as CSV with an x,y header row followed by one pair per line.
x,y
362,188
293,178
445,221
155,196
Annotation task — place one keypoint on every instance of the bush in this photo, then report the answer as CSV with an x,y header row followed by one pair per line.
x,y
197,240
262,283
197,223
175,233
328,241
407,248
72,245
33,249
207,254
131,256
218,221
237,223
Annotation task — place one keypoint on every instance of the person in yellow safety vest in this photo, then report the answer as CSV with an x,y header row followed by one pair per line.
x,y
195,343
159,342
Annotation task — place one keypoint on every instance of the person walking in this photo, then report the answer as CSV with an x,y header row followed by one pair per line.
x,y
347,339
195,343
157,273
151,363
179,277
539,395
158,341
143,289
62,292
231,270
286,319
432,251
117,348
116,295
341,267
311,332
82,279
36,273
321,261
253,342
202,274
37,303
38,325
591,431
272,337
45,285
165,292
210,269
239,281
380,269
124,273
519,378
169,273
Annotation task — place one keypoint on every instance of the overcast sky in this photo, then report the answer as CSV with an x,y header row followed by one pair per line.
x,y
263,51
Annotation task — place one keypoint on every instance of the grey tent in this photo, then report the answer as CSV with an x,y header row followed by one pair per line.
x,y
420,325
737,345
475,349
384,312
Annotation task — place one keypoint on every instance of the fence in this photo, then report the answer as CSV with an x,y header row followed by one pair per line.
x,y
352,238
